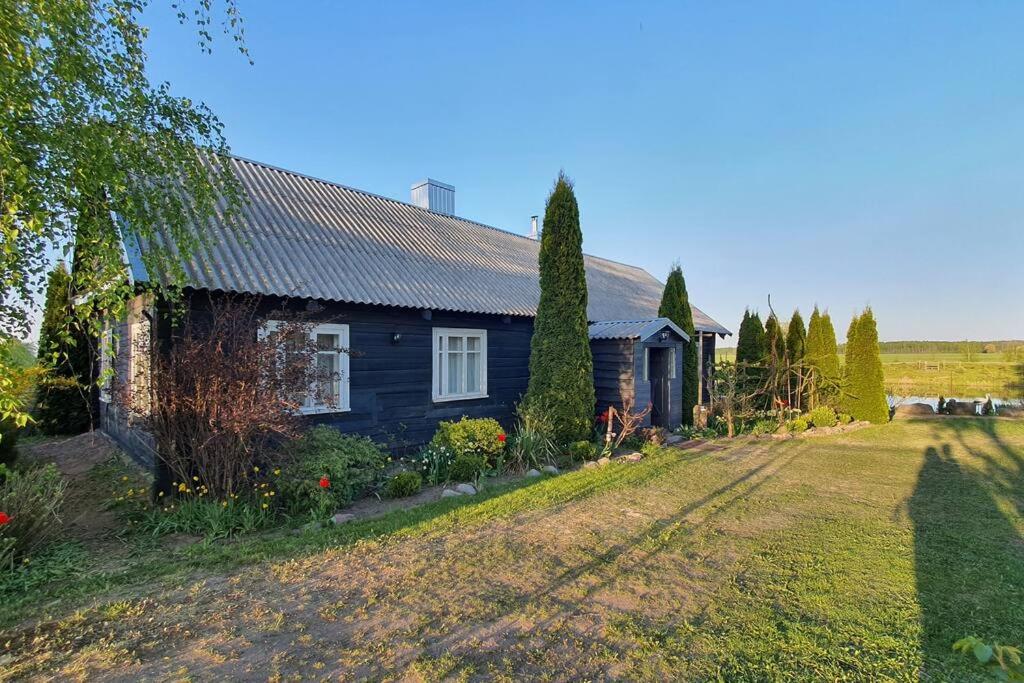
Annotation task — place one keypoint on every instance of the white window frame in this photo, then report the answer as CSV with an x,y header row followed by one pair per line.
x,y
107,362
344,398
439,363
647,364
671,362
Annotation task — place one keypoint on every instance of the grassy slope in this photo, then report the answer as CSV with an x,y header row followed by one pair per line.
x,y
859,556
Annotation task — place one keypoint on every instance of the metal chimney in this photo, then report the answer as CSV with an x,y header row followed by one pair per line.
x,y
534,234
435,196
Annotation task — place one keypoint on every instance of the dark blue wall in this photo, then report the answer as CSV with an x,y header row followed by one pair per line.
x,y
390,388
613,372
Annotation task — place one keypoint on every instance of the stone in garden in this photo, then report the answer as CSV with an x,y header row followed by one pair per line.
x,y
342,518
604,461
550,469
632,457
466,489
450,493
673,439
589,465
533,473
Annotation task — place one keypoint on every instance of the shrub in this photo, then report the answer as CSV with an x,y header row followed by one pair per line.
x,y
30,500
62,406
223,399
433,463
467,467
529,446
580,451
403,484
764,427
797,425
844,419
482,436
822,416
329,469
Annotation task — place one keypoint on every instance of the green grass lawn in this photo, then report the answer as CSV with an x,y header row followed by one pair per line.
x,y
941,374
860,556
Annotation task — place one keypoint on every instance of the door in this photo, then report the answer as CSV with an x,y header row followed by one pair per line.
x,y
659,372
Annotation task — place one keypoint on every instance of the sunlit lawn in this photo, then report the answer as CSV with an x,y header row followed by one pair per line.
x,y
859,556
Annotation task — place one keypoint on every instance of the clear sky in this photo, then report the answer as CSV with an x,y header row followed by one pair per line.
x,y
833,152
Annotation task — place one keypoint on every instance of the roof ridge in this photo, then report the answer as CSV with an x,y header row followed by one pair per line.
x,y
332,183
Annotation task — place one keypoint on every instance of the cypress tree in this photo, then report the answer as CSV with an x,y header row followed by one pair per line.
x,y
63,404
796,338
675,305
750,344
796,345
561,386
63,347
864,390
822,357
774,340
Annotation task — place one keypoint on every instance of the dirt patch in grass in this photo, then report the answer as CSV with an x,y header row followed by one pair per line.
x,y
94,469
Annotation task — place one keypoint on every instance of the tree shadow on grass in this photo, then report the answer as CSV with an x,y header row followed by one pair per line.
x,y
969,557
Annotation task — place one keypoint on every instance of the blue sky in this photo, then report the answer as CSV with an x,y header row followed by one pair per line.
x,y
832,152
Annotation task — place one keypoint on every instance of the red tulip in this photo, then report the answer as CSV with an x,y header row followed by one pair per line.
x,y
501,438
325,483
4,518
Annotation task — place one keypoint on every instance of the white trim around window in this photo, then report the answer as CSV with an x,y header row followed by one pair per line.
x,y
332,341
459,362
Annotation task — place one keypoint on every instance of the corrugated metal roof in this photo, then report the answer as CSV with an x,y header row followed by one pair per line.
x,y
632,329
309,238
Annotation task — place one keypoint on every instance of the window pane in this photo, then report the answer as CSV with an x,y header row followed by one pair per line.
x,y
455,371
473,343
327,342
328,382
454,343
472,373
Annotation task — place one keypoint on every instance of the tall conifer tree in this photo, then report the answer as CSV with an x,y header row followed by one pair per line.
x,y
675,305
864,388
561,366
750,345
822,357
796,344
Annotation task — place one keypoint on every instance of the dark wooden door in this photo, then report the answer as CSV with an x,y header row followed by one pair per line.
x,y
658,374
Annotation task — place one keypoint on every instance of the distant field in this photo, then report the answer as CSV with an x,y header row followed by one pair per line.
x,y
933,374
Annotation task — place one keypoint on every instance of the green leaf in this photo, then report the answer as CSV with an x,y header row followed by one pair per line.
x,y
983,652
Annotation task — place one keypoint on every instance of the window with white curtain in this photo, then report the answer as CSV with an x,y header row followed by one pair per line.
x,y
329,392
460,364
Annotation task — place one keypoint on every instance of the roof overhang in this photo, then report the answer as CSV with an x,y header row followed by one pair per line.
x,y
644,330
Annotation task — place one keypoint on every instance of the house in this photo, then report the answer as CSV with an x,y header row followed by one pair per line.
x,y
438,309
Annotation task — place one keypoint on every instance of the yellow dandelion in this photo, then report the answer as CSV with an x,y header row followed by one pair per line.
x,y
277,472
195,478
224,504
182,488
125,478
265,506
255,469
160,495
271,493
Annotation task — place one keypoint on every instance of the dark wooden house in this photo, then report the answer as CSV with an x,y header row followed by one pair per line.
x,y
438,309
